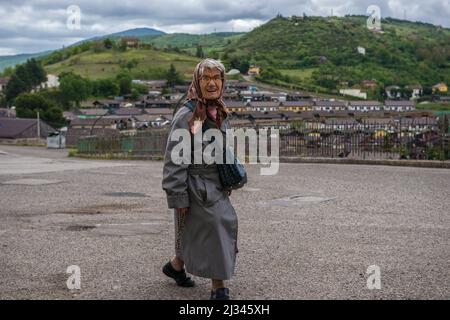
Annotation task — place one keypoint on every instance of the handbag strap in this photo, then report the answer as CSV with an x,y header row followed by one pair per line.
x,y
190,105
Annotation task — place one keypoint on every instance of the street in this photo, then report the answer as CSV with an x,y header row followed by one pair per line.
x,y
309,232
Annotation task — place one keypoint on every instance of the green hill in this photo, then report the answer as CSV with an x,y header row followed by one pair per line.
x,y
150,60
11,61
322,52
147,63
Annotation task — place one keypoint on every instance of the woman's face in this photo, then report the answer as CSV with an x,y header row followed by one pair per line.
x,y
211,84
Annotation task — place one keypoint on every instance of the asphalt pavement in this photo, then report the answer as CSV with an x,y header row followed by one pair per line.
x,y
313,231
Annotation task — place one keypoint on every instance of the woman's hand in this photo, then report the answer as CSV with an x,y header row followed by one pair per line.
x,y
182,210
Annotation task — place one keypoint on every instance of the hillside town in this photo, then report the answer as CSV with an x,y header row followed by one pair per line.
x,y
310,124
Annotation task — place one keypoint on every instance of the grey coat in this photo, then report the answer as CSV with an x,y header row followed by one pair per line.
x,y
206,237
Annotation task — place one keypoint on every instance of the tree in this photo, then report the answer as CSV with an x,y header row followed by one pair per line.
x,y
8,71
28,104
37,72
74,87
14,87
134,94
140,88
200,53
25,78
105,88
173,77
108,44
2,101
240,63
124,81
98,46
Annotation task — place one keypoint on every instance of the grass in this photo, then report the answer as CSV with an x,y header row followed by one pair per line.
x,y
107,64
434,106
72,152
299,75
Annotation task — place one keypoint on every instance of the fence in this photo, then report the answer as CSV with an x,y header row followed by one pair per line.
x,y
144,144
425,139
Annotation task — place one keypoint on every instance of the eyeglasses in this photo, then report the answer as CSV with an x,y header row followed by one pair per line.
x,y
208,79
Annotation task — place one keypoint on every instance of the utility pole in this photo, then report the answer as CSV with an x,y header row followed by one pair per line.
x,y
38,126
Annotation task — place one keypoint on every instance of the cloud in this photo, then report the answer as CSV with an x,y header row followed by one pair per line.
x,y
37,25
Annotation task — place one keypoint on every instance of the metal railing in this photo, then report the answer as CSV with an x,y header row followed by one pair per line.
x,y
402,139
366,139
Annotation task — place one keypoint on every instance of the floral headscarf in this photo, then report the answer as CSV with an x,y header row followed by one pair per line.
x,y
195,94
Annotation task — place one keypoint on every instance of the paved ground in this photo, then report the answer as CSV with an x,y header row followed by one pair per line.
x,y
309,232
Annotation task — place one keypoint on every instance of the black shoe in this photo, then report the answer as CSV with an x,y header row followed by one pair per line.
x,y
179,276
220,294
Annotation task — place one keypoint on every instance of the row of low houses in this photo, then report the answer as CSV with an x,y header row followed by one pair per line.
x,y
100,107
109,124
89,121
321,105
115,125
394,124
248,91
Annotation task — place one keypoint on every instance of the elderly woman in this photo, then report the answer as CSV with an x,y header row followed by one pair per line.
x,y
206,224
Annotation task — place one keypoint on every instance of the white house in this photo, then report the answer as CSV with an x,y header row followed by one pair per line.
x,y
3,82
353,93
364,106
417,90
399,105
393,92
52,82
329,105
361,50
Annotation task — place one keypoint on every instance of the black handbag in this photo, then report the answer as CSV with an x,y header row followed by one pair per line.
x,y
232,175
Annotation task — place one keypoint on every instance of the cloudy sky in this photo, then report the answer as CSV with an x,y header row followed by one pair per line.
x,y
29,26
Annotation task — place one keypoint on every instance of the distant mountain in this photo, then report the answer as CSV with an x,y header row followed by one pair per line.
x,y
10,61
188,42
137,33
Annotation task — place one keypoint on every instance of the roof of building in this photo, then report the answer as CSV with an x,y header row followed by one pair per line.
x,y
93,111
104,121
128,111
160,111
328,103
12,127
264,104
156,83
399,103
299,103
365,103
4,80
235,104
